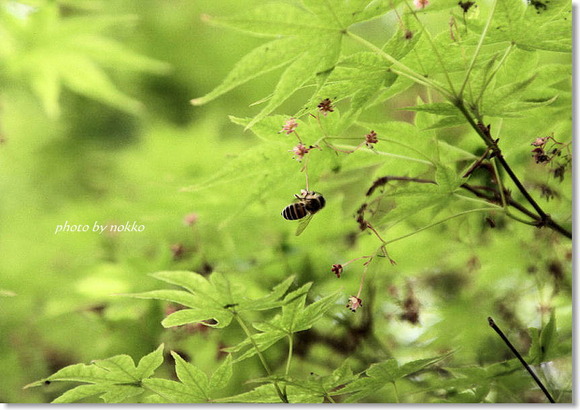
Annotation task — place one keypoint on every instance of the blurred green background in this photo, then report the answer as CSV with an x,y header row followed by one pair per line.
x,y
122,150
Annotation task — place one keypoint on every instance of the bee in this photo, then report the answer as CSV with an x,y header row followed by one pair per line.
x,y
307,204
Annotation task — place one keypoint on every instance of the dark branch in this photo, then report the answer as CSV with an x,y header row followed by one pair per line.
x,y
521,359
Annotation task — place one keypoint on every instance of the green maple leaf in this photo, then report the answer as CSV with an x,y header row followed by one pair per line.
x,y
49,52
115,379
209,302
307,40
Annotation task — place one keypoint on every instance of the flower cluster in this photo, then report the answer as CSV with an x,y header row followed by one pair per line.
x,y
540,155
289,126
300,151
371,138
548,150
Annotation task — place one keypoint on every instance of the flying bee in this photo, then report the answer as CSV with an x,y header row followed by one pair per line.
x,y
307,204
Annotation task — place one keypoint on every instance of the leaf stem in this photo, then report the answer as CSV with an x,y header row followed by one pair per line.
x,y
396,391
476,190
520,358
439,222
290,351
282,396
362,279
435,50
376,233
351,148
498,66
477,50
406,71
499,183
479,201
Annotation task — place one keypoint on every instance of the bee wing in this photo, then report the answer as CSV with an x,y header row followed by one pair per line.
x,y
303,224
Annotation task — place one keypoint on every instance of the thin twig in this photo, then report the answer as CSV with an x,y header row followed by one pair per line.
x,y
483,132
520,358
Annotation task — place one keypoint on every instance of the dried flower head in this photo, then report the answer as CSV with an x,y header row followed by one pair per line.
x,y
540,155
289,126
354,303
360,217
421,4
560,171
371,138
466,5
325,106
337,269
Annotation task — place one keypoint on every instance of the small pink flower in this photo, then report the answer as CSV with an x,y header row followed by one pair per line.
x,y
290,126
539,142
190,219
300,150
354,303
337,269
421,4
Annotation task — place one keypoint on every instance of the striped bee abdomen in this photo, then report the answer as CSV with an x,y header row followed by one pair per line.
x,y
294,211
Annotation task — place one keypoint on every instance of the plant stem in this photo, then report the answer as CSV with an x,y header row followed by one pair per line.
x,y
477,50
396,391
520,358
350,148
362,279
435,50
406,71
479,201
439,222
544,219
262,359
288,361
376,233
498,66
499,183
290,351
509,201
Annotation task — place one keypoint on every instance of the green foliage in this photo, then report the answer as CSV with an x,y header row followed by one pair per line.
x,y
381,374
439,134
115,380
50,52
